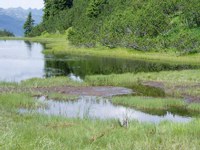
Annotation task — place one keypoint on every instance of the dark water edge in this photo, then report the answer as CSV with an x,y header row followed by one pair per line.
x,y
180,111
91,65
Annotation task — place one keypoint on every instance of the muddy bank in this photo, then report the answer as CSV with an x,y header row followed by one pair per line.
x,y
192,99
102,91
154,84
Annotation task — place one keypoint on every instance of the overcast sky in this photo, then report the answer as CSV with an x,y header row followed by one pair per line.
x,y
21,3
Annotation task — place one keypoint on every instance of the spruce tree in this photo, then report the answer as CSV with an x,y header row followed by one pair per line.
x,y
28,25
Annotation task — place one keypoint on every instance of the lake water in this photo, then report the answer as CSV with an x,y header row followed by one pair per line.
x,y
20,60
100,108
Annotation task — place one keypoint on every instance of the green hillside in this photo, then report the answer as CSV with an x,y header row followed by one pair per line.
x,y
147,25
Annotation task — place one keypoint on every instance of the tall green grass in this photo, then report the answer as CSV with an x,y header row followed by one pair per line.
x,y
16,100
40,132
127,79
159,105
174,83
148,103
51,82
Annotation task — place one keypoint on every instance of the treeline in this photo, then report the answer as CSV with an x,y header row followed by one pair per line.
x,y
5,33
137,24
57,17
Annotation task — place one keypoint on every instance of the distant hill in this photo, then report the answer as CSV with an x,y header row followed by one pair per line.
x,y
12,19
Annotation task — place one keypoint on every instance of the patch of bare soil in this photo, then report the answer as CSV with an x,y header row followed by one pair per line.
x,y
155,84
192,99
104,91
183,87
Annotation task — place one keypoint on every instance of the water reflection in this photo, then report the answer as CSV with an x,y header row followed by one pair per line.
x,y
29,45
19,61
74,77
82,66
99,108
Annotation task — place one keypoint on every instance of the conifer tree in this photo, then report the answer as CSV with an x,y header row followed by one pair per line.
x,y
28,25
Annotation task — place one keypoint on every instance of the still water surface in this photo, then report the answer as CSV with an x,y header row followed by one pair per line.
x,y
20,60
100,108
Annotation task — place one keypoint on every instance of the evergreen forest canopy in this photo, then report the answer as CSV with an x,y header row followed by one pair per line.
x,y
138,24
5,33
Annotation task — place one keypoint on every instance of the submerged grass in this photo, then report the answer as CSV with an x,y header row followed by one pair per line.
x,y
35,131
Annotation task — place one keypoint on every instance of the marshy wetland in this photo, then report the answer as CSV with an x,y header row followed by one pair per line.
x,y
83,98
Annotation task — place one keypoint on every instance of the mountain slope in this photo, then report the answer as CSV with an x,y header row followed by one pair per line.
x,y
12,19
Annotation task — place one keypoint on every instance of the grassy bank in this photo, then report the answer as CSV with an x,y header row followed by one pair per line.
x,y
59,45
63,47
153,105
42,87
35,131
181,84
168,85
174,83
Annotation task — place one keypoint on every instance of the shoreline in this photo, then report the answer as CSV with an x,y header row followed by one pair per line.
x,y
58,45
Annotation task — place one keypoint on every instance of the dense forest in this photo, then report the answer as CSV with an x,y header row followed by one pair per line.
x,y
4,33
137,24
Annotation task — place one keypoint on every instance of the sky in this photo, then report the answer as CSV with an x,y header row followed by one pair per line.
x,y
21,3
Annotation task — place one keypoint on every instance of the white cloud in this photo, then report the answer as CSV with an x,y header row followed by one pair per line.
x,y
21,3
